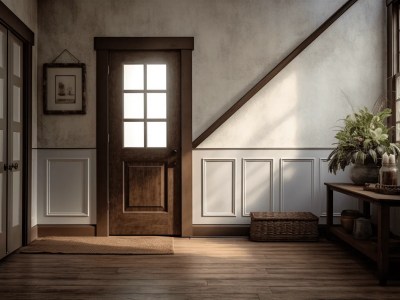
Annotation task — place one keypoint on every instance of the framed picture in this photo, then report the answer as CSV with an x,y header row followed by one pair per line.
x,y
64,88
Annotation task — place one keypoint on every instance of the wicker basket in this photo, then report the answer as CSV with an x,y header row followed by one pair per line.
x,y
382,188
283,226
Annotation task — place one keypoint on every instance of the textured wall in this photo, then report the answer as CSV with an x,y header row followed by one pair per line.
x,y
236,43
341,72
27,11
228,184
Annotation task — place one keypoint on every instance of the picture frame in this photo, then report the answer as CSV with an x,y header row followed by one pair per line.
x,y
64,88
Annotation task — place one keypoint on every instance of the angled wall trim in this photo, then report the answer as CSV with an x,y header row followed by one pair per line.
x,y
275,71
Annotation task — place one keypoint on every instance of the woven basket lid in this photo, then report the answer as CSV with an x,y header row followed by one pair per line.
x,y
284,216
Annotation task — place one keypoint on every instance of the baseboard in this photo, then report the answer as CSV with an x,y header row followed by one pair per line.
x,y
198,230
33,234
66,230
234,230
221,230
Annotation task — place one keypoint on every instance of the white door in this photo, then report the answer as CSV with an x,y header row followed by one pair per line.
x,y
3,141
11,93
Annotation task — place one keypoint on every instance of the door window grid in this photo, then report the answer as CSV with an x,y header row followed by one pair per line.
x,y
145,106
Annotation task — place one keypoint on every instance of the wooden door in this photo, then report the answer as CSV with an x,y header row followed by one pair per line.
x,y
144,143
11,93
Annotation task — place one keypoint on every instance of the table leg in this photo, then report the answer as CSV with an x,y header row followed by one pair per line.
x,y
383,212
329,210
366,209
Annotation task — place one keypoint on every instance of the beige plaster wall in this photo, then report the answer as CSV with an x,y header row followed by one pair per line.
x,y
236,43
341,72
26,10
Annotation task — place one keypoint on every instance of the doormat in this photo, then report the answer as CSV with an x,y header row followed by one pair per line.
x,y
102,245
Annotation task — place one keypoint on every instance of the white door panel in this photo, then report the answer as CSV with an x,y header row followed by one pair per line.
x,y
11,93
3,141
14,190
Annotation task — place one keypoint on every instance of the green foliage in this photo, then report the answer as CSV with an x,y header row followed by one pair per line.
x,y
364,138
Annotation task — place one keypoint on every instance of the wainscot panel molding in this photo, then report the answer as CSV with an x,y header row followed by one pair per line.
x,y
218,187
257,183
297,182
66,186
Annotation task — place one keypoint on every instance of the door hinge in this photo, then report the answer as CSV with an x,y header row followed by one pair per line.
x,y
108,70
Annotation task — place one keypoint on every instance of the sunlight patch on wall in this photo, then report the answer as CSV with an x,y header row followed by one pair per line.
x,y
303,105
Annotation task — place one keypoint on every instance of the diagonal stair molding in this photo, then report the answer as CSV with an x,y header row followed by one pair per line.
x,y
275,71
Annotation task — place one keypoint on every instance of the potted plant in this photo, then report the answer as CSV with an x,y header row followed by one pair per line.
x,y
361,142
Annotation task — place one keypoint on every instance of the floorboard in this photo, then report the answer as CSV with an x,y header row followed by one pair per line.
x,y
202,268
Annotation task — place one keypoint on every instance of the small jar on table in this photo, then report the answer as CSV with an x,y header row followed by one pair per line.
x,y
388,172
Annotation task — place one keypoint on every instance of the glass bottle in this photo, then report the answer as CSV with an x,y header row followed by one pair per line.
x,y
388,172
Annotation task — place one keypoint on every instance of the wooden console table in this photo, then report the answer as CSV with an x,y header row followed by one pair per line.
x,y
379,251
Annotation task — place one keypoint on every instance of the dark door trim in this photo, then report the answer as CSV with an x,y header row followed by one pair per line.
x,y
20,30
103,45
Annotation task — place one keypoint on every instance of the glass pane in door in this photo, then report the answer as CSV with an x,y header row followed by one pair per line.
x,y
133,77
16,104
133,134
16,60
156,77
156,134
16,146
157,105
133,105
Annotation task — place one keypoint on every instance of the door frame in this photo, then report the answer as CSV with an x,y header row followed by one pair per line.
x,y
103,47
13,24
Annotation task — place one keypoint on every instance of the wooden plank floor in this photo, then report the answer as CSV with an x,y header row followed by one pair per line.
x,y
202,268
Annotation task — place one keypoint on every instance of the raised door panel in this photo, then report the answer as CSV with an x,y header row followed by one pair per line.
x,y
144,187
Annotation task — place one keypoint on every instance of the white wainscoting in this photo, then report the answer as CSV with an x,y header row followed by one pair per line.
x,y
297,184
257,185
219,196
230,183
66,186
